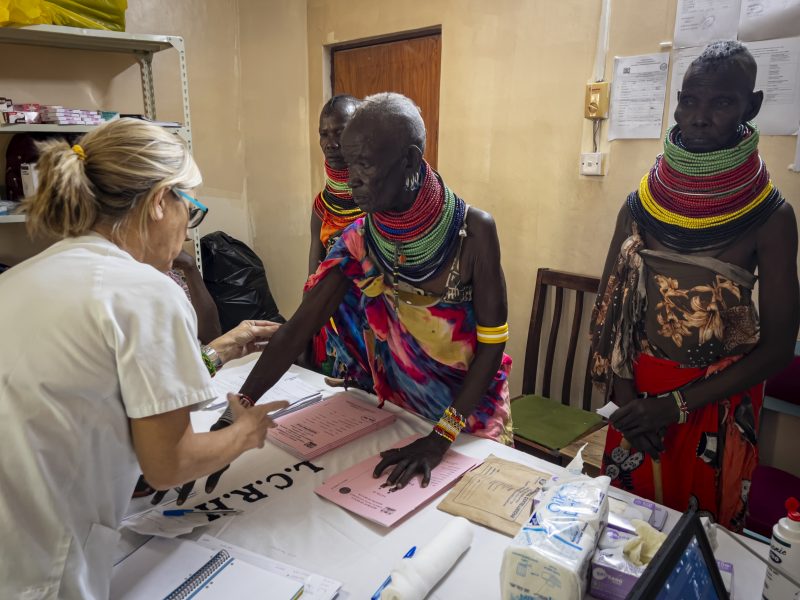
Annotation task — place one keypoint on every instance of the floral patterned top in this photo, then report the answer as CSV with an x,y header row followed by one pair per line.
x,y
700,309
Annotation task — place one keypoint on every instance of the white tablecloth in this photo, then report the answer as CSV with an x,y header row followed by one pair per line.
x,y
296,526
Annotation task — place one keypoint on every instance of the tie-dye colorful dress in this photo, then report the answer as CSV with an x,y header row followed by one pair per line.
x,y
415,350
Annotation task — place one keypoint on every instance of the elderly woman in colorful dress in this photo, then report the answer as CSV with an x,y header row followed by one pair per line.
x,y
430,326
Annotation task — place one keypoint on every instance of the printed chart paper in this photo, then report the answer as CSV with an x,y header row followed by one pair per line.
x,y
637,96
703,21
769,19
374,499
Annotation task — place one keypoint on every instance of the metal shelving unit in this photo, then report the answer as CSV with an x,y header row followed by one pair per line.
x,y
143,46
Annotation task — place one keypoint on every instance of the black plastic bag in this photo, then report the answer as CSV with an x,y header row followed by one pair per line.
x,y
236,279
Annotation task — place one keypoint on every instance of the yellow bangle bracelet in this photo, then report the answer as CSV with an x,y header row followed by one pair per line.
x,y
492,335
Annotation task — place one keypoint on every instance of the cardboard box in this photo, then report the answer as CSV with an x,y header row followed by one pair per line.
x,y
13,117
30,178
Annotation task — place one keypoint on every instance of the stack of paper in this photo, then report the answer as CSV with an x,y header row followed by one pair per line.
x,y
356,490
172,568
326,425
315,587
290,387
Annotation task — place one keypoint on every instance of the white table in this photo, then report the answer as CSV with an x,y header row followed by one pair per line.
x,y
296,526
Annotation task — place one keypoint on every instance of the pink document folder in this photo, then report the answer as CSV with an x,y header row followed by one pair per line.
x,y
357,491
328,424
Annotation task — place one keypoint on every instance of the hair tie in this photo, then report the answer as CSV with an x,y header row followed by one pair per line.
x,y
78,149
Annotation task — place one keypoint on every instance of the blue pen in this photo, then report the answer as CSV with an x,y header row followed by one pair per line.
x,y
377,594
179,512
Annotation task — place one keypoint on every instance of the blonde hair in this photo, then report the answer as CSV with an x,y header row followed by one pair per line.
x,y
107,178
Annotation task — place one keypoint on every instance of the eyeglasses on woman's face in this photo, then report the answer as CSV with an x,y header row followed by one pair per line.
x,y
197,210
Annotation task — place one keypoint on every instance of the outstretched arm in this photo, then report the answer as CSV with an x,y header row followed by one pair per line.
x,y
290,340
317,306
491,310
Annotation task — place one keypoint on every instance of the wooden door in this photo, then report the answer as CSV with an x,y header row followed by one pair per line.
x,y
409,66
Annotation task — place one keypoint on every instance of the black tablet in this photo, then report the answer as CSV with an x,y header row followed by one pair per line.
x,y
684,567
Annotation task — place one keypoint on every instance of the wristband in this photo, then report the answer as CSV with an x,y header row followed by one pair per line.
x,y
227,417
211,359
682,406
450,425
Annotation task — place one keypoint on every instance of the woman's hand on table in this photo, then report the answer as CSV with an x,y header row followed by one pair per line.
x,y
420,456
246,337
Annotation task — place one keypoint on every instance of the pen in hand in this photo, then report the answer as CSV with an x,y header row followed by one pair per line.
x,y
377,594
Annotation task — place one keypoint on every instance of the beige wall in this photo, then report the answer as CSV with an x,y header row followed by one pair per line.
x,y
511,126
275,104
111,81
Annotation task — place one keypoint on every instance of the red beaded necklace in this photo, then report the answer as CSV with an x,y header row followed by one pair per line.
x,y
419,219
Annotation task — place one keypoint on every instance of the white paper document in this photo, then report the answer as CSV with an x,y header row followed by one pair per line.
x,y
606,411
778,77
702,21
769,19
637,96
289,387
176,569
315,587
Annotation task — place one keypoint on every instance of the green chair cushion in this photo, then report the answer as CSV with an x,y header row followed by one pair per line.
x,y
549,423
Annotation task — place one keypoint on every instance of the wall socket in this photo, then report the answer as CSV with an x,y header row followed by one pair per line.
x,y
591,163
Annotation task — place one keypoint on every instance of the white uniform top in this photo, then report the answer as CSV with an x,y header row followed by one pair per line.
x,y
90,338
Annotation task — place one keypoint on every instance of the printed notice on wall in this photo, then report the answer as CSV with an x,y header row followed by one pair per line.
x,y
769,19
778,77
637,96
699,22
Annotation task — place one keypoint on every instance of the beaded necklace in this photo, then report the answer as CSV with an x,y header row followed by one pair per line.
x,y
702,201
334,205
415,244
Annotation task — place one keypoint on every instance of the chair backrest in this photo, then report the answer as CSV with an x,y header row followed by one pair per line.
x,y
561,281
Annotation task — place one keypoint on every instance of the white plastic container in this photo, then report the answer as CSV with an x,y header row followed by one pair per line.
x,y
784,551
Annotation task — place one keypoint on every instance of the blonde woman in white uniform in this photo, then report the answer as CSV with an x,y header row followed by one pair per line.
x,y
99,360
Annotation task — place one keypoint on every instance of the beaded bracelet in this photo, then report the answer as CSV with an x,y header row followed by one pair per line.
x,y
492,335
450,425
227,417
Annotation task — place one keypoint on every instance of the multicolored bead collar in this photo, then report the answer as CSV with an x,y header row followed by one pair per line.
x,y
693,201
415,244
334,205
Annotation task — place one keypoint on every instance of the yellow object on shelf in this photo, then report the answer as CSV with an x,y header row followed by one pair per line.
x,y
89,14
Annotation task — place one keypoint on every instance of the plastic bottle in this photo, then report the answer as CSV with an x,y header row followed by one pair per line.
x,y
784,551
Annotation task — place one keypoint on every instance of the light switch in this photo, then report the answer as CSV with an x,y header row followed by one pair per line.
x,y
591,163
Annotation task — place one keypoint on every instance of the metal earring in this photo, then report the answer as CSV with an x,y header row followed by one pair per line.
x,y
412,182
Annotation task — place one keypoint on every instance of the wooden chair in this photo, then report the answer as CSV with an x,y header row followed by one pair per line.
x,y
546,423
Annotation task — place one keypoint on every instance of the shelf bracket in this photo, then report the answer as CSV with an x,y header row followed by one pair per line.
x,y
148,91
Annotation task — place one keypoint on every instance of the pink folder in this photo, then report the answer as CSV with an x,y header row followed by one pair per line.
x,y
328,424
357,491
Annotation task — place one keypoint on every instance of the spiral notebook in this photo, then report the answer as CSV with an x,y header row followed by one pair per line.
x,y
181,570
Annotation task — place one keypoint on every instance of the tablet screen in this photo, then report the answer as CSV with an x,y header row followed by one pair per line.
x,y
690,579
